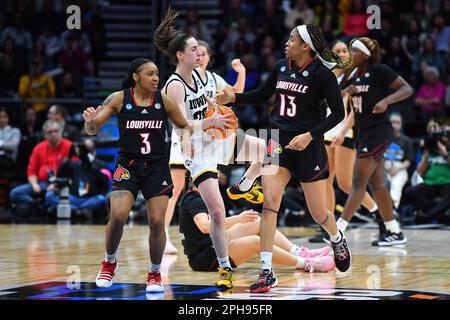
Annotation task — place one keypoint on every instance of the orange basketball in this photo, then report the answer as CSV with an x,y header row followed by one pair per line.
x,y
221,133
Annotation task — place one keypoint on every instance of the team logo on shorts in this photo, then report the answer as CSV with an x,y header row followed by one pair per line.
x,y
121,173
273,148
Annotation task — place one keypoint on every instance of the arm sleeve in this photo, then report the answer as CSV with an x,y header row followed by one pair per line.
x,y
329,90
263,93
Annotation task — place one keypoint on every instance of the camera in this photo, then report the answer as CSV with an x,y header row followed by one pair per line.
x,y
432,139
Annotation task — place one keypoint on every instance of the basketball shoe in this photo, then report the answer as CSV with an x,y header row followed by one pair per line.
x,y
320,264
390,239
154,282
265,282
313,253
105,276
342,255
254,195
225,278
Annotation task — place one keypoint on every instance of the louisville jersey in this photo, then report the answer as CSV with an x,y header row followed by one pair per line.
x,y
142,128
372,85
300,96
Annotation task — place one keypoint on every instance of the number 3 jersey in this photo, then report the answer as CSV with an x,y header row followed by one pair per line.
x,y
142,134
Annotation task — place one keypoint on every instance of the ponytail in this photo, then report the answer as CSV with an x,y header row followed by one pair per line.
x,y
129,82
169,40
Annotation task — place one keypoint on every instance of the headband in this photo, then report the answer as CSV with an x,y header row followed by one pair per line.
x,y
303,31
361,46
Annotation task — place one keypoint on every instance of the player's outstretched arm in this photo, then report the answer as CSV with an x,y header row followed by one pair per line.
x,y
94,118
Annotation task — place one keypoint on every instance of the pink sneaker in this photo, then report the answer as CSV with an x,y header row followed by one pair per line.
x,y
320,264
170,248
314,253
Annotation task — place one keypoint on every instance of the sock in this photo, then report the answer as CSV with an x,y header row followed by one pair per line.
x,y
266,260
295,250
155,267
336,238
392,226
341,224
111,258
300,263
374,208
224,262
245,184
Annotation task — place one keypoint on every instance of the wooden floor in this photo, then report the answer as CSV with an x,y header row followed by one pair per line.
x,y
31,254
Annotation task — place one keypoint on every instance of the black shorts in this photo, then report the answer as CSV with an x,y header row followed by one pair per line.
x,y
373,141
206,261
348,143
151,177
308,165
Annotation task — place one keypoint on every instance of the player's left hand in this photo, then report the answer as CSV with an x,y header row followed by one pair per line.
x,y
237,65
380,107
300,142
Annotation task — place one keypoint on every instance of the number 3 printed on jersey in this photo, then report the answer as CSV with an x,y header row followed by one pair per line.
x,y
291,109
146,148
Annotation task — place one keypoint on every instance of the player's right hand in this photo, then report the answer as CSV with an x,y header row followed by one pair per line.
x,y
90,113
220,121
226,96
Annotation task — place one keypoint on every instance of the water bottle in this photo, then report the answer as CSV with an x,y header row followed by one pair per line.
x,y
63,208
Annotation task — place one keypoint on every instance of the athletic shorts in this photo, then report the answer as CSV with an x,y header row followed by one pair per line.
x,y
151,177
203,167
206,261
348,143
308,165
373,141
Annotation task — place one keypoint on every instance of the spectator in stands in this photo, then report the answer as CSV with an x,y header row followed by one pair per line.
x,y
39,52
329,15
430,96
31,135
37,85
421,12
67,88
413,38
233,12
83,41
441,35
300,11
425,57
45,160
269,15
11,68
51,41
396,58
196,27
242,31
88,185
445,11
355,23
431,198
9,143
398,158
75,61
58,113
22,37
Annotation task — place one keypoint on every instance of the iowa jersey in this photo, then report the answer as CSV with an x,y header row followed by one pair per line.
x,y
372,85
213,84
142,128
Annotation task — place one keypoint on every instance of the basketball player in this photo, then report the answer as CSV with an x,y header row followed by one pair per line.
x,y
340,143
301,83
142,113
371,98
213,83
186,88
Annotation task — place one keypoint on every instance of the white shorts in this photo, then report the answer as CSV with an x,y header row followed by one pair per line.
x,y
204,162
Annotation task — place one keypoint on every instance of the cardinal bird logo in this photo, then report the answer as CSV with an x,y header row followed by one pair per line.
x,y
273,148
121,174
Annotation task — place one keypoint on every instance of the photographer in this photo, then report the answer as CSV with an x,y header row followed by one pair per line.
x,y
87,184
432,197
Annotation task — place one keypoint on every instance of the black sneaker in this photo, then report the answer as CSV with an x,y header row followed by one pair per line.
x,y
265,282
390,239
342,255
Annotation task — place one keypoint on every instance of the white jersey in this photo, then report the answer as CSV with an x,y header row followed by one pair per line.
x,y
330,134
208,152
214,84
